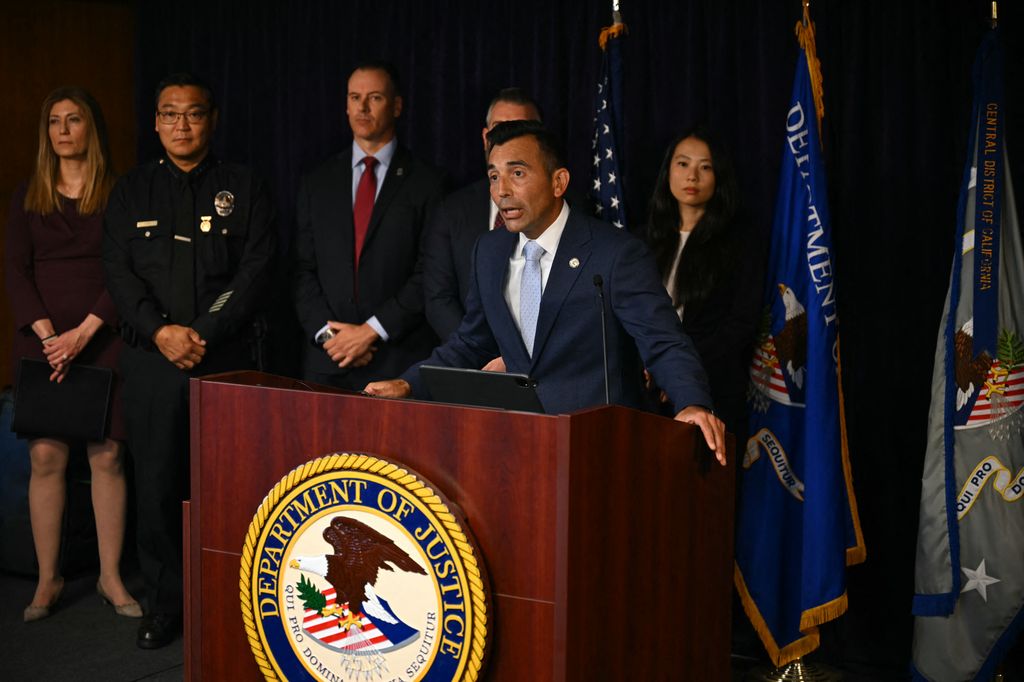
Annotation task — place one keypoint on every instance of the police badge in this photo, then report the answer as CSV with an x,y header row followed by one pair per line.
x,y
224,202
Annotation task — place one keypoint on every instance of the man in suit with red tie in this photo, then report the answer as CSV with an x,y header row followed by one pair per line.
x,y
361,214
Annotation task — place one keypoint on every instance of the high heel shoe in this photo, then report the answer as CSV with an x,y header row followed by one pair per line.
x,y
128,610
33,612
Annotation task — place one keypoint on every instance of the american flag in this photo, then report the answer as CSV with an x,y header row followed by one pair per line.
x,y
606,190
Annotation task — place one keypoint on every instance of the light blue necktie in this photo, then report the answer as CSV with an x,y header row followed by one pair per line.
x,y
530,293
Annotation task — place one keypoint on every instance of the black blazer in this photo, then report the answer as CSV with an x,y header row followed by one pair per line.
x,y
723,326
389,282
455,227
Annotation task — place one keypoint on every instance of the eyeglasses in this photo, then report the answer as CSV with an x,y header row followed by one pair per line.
x,y
169,118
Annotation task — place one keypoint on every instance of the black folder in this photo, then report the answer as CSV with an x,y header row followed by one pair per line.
x,y
75,409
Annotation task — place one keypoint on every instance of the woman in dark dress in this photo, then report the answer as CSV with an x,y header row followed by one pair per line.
x,y
711,268
63,314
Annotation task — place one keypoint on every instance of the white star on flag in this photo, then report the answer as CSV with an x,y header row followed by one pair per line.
x,y
607,174
978,580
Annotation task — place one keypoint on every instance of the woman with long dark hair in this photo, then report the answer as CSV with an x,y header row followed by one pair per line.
x,y
710,267
64,315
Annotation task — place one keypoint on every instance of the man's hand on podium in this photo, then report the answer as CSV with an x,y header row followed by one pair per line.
x,y
710,425
394,388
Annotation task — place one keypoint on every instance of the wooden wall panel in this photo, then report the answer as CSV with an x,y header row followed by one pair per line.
x,y
45,44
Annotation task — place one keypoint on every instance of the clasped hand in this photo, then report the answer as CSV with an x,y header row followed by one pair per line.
x,y
182,346
352,344
62,350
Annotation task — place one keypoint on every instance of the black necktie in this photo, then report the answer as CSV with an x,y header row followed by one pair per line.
x,y
183,279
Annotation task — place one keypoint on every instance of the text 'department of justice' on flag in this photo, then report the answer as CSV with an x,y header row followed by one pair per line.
x,y
797,527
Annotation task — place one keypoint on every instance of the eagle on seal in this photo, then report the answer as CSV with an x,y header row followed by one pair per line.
x,y
969,370
360,553
791,341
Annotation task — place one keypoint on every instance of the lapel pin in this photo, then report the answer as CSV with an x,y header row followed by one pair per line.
x,y
399,171
574,263
205,225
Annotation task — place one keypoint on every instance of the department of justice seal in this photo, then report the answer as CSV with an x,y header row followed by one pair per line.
x,y
355,568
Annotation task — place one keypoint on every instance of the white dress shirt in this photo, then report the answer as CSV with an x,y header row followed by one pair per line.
x,y
548,240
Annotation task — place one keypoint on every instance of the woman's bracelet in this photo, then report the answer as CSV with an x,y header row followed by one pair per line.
x,y
50,337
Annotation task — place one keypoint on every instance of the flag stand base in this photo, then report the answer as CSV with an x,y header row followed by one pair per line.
x,y
796,671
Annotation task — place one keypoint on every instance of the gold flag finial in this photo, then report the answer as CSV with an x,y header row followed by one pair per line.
x,y
805,35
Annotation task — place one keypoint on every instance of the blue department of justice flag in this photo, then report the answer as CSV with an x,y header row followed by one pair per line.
x,y
606,190
969,575
797,526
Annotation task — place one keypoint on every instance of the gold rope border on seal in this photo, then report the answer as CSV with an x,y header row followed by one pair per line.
x,y
392,472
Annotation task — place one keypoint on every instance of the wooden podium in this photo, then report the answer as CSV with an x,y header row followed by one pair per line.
x,y
607,534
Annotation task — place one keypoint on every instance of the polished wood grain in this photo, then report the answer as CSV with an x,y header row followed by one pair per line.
x,y
591,525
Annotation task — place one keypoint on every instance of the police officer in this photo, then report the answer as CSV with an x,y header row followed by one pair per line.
x,y
188,247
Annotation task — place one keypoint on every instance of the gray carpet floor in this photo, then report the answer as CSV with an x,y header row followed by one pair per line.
x,y
83,640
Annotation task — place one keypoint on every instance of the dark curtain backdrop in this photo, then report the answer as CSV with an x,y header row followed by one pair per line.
x,y
897,100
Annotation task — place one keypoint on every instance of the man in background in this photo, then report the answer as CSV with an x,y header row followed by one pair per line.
x,y
463,216
358,283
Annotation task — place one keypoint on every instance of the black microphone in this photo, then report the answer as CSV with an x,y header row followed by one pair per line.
x,y
599,283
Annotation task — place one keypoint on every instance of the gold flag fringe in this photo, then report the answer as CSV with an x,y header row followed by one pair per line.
x,y
608,32
787,654
805,35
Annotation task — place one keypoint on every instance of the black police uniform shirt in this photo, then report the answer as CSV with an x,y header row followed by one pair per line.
x,y
154,239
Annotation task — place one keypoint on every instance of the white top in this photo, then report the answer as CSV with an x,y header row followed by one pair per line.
x,y
670,278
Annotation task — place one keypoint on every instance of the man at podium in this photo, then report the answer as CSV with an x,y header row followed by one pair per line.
x,y
536,291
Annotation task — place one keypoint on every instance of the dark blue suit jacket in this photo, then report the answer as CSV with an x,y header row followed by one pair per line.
x,y
643,329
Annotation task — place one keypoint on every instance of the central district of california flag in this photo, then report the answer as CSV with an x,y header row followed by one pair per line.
x,y
797,525
969,579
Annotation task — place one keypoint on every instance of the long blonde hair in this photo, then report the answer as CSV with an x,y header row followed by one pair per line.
x,y
42,196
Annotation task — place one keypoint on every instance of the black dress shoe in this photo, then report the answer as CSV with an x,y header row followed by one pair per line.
x,y
158,630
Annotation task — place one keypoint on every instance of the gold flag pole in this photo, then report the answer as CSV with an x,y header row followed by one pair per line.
x,y
995,13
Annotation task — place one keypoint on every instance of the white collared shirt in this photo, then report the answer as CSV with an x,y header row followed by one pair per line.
x,y
384,155
548,241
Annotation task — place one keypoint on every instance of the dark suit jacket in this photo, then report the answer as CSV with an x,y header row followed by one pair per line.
x,y
567,358
458,223
389,280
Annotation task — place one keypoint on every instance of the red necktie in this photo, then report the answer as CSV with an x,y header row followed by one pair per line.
x,y
363,208
499,221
